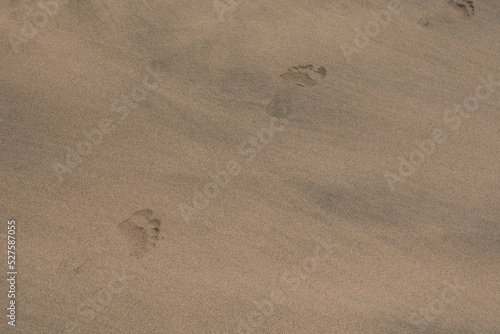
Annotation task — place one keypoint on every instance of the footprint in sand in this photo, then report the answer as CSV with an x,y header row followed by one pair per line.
x,y
142,231
463,8
74,265
280,104
302,75
451,12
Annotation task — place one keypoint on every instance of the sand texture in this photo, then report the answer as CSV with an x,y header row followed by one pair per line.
x,y
264,166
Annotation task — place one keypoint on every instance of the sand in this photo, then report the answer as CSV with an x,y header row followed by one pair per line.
x,y
251,166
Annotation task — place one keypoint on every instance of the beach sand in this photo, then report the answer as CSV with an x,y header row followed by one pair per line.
x,y
251,166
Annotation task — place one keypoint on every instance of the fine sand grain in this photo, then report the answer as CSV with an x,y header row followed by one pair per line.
x,y
257,166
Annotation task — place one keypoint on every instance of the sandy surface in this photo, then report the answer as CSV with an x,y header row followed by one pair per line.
x,y
251,166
